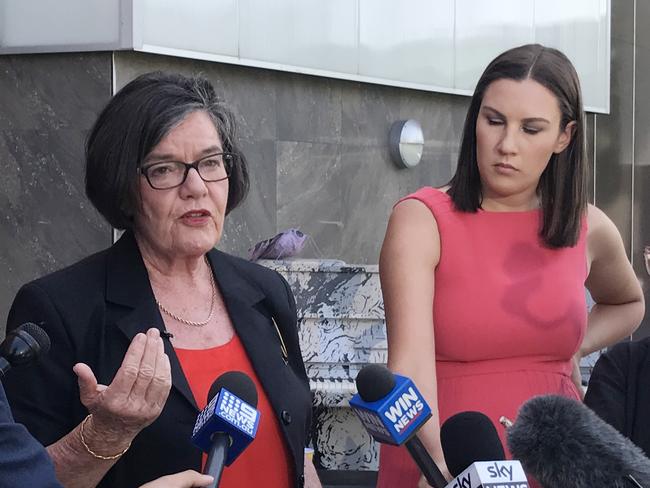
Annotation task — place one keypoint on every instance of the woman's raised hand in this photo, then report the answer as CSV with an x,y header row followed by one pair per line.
x,y
135,397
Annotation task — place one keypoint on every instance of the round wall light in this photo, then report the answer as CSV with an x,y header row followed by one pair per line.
x,y
406,143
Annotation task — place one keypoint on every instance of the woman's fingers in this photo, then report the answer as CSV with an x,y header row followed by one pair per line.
x,y
147,367
88,387
135,397
576,376
126,376
422,483
137,394
162,381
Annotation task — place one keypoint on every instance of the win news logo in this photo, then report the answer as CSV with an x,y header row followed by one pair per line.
x,y
406,409
396,416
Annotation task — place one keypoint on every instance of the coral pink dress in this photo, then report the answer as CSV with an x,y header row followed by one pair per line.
x,y
509,314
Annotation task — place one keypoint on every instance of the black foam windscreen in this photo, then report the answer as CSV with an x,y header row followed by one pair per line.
x,y
468,437
38,334
24,344
563,444
238,383
374,382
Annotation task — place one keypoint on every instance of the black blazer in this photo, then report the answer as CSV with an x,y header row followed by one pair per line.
x,y
619,390
23,461
91,311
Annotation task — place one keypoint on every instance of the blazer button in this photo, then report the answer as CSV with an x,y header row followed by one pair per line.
x,y
301,480
286,417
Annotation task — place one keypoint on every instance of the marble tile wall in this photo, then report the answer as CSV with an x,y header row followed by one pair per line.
x,y
47,104
341,329
318,152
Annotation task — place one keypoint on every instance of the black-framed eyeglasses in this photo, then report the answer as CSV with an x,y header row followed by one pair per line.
x,y
164,175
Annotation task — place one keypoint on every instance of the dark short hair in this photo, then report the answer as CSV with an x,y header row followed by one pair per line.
x,y
133,122
563,184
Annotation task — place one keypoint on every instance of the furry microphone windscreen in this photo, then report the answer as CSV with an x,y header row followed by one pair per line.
x,y
563,444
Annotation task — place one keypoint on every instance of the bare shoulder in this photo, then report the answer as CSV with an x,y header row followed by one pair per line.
x,y
412,210
597,220
603,237
412,231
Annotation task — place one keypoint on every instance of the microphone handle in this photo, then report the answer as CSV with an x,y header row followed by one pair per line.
x,y
217,457
427,467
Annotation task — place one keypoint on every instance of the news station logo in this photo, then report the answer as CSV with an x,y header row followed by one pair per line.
x,y
237,412
406,409
205,415
491,474
396,416
373,424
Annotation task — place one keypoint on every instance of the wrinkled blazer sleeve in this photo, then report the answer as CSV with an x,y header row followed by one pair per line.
x,y
23,461
40,394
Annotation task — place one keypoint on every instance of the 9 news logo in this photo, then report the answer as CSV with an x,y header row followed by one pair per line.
x,y
238,413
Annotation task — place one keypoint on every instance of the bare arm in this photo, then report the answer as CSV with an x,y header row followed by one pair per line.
x,y
409,256
119,411
613,285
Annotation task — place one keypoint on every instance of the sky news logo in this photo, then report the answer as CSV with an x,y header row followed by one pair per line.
x,y
467,482
491,474
237,412
514,484
406,409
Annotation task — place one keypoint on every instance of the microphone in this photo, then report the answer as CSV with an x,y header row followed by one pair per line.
x,y
392,410
22,345
475,456
228,424
563,444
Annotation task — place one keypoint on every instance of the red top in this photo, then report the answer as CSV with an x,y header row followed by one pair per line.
x,y
266,461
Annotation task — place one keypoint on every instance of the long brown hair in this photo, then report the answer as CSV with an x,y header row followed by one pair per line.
x,y
562,186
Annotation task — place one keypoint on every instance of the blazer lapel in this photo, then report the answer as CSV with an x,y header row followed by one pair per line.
x,y
251,325
127,284
249,314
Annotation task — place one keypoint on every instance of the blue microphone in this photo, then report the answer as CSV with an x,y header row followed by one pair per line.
x,y
392,410
228,424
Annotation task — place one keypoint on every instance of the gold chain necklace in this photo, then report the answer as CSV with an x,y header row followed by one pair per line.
x,y
189,322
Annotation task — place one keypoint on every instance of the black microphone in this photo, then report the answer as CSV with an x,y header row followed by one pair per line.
x,y
474,454
564,444
228,424
392,410
468,437
22,345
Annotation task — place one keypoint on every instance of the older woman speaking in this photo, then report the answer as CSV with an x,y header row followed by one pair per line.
x,y
162,162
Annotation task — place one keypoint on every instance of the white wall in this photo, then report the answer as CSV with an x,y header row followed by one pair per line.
x,y
434,45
